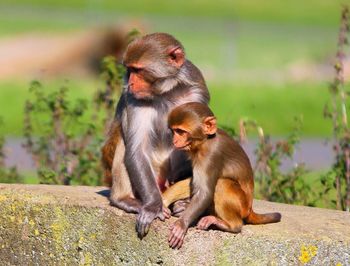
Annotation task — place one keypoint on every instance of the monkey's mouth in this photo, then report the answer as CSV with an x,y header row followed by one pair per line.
x,y
185,147
141,94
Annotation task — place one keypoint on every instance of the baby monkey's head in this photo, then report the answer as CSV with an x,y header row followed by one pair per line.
x,y
191,124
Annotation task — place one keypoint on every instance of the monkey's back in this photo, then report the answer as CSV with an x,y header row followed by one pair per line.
x,y
235,162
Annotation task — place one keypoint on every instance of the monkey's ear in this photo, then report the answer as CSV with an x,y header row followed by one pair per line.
x,y
177,56
209,125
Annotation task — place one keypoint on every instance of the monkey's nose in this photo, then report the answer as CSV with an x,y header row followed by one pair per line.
x,y
130,87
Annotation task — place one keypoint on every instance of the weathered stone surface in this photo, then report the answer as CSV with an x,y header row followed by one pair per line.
x,y
58,225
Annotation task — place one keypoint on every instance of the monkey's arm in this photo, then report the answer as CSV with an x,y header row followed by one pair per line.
x,y
144,184
180,190
113,161
204,187
200,201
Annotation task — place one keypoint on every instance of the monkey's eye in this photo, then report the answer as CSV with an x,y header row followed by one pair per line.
x,y
134,69
179,131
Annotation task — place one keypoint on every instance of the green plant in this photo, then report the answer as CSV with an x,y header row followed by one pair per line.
x,y
7,175
272,183
64,145
105,99
338,177
2,143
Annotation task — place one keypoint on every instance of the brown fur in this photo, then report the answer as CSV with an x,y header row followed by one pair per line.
x,y
115,172
181,190
108,151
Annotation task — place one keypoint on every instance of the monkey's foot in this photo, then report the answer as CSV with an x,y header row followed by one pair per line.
x,y
177,234
207,221
179,207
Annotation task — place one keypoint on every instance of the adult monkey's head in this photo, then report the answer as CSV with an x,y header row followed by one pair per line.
x,y
153,63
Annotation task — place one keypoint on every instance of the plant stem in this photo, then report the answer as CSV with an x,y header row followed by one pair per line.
x,y
347,175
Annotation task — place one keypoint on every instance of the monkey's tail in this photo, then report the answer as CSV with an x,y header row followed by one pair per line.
x,y
255,218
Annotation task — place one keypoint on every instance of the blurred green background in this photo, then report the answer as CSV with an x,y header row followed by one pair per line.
x,y
269,61
266,60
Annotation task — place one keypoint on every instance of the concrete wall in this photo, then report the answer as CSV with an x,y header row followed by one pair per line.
x,y
58,225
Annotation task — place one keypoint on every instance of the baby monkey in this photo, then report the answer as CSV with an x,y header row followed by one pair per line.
x,y
222,184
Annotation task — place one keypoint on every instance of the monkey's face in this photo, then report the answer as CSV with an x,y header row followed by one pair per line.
x,y
192,124
139,85
181,138
151,61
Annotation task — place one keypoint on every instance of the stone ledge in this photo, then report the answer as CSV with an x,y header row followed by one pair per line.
x,y
47,225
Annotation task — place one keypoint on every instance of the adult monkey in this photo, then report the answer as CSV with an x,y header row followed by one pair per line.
x,y
159,78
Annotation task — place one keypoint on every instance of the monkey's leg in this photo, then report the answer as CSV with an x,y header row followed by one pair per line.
x,y
108,151
121,193
179,190
177,167
227,207
178,197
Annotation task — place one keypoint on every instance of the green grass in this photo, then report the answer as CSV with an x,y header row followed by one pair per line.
x,y
230,48
298,11
13,95
212,42
251,46
273,107
30,178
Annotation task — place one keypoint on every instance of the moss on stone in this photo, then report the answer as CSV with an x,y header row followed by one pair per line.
x,y
43,228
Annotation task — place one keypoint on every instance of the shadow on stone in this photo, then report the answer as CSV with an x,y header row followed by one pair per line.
x,y
106,193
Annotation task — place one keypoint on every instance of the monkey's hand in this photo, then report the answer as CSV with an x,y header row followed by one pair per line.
x,y
145,217
177,234
166,212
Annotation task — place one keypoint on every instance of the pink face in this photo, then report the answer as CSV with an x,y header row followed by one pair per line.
x,y
137,84
181,138
140,79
